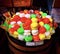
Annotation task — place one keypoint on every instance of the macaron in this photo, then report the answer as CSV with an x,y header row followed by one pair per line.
x,y
47,26
31,11
23,19
41,12
28,21
33,25
11,26
46,20
16,18
34,20
48,16
41,23
20,30
41,36
36,38
34,32
15,33
16,26
36,12
27,32
11,30
22,15
48,37
28,38
27,15
21,37
33,16
19,22
42,30
47,33
18,13
44,14
25,11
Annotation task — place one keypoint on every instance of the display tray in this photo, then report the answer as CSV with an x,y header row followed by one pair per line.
x,y
22,43
20,46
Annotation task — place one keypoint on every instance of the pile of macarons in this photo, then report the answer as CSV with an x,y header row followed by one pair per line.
x,y
31,25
